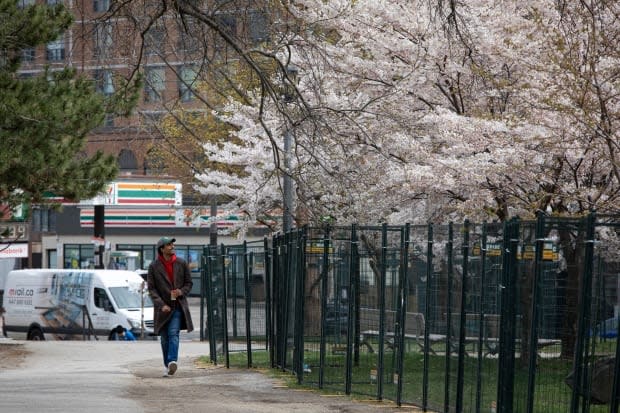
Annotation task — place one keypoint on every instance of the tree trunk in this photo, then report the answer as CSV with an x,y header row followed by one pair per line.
x,y
312,299
574,279
526,282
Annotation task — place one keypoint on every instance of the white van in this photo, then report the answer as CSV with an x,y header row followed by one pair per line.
x,y
75,304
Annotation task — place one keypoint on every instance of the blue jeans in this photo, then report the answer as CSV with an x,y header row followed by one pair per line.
x,y
170,337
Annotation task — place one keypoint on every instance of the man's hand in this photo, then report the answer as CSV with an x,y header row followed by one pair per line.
x,y
176,293
165,309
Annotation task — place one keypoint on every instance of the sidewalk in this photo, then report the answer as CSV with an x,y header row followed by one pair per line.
x,y
104,376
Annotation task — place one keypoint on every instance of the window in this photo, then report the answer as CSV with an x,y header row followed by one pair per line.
x,y
108,121
127,161
193,256
147,253
130,298
53,2
188,40
101,5
79,256
101,299
28,54
154,41
52,259
103,40
55,51
152,118
24,3
43,220
187,78
190,253
25,75
228,23
155,84
104,82
258,29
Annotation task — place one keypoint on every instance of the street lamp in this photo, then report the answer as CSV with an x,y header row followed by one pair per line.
x,y
287,184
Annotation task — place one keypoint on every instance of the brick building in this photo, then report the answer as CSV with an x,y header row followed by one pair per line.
x,y
172,56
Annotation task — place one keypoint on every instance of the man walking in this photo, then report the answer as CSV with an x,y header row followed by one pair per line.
x,y
169,282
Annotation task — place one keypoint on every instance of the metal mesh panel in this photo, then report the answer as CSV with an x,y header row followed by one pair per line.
x,y
511,317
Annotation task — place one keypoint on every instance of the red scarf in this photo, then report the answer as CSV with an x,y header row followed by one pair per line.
x,y
168,265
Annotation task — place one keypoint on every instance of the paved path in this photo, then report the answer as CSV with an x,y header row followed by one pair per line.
x,y
105,376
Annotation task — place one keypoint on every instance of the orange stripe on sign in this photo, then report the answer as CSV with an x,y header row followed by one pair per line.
x,y
146,186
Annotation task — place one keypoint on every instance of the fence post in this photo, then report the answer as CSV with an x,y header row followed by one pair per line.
x,y
205,302
324,286
403,285
211,307
583,329
427,311
352,341
461,355
356,269
275,299
481,326
449,249
615,396
505,392
224,252
233,277
268,289
300,257
203,291
284,295
247,275
382,280
533,344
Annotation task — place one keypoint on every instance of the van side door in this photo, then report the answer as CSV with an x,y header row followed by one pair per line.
x,y
102,312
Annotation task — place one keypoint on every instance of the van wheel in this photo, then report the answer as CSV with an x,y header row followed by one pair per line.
x,y
36,335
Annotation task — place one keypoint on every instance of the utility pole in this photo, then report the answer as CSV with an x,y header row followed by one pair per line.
x,y
287,187
287,182
213,226
99,226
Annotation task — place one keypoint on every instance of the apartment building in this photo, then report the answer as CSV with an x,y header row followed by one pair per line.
x,y
172,55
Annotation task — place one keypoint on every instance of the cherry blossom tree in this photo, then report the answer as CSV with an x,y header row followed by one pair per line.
x,y
417,111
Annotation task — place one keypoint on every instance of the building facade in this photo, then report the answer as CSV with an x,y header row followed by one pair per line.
x,y
111,47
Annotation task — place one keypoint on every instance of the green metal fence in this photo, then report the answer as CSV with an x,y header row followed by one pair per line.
x,y
510,317
236,300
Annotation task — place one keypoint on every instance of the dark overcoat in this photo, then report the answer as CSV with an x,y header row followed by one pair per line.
x,y
159,287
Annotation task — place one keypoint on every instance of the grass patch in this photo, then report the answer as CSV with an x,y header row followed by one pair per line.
x,y
552,395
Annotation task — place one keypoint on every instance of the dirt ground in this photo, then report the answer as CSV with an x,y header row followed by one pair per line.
x,y
205,387
11,355
218,389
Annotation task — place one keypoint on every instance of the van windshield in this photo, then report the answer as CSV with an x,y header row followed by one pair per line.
x,y
129,298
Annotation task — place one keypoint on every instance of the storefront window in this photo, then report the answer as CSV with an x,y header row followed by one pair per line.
x,y
190,254
79,256
147,252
